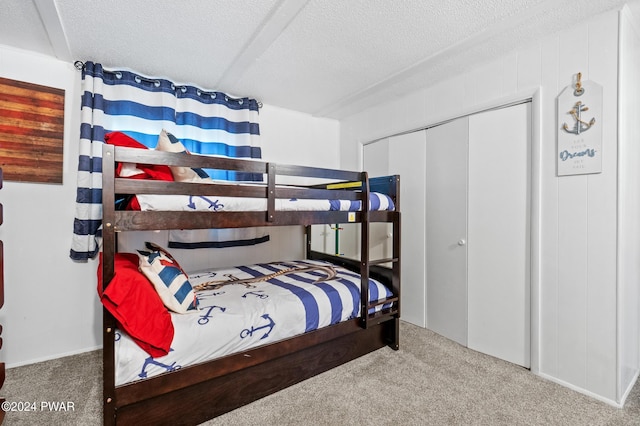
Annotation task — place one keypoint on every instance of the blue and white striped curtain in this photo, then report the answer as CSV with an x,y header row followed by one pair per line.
x,y
210,123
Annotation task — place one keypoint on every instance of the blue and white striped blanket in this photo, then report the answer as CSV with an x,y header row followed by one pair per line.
x,y
240,315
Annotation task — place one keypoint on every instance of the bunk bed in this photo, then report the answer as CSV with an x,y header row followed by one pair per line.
x,y
195,393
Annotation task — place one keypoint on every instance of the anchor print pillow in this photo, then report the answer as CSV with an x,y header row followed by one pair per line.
x,y
168,278
169,143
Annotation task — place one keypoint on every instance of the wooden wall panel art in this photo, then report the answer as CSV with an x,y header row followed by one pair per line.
x,y
31,132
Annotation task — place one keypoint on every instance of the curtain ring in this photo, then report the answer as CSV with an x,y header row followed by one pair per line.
x,y
213,96
198,92
139,80
118,75
184,89
240,101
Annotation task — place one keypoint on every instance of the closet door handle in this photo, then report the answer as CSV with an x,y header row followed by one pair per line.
x,y
462,242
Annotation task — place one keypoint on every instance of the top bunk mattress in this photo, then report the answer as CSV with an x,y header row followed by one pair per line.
x,y
151,202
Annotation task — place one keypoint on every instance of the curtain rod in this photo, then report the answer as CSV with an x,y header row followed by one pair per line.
x,y
79,65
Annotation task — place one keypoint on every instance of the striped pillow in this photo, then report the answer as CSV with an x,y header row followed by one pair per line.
x,y
168,278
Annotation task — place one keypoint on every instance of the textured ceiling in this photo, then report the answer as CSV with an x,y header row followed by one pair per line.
x,y
324,57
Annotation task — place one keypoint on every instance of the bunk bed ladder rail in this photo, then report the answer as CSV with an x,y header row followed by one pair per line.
x,y
370,319
364,253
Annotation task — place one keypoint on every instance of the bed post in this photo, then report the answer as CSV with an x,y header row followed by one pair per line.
x,y
108,261
396,273
364,252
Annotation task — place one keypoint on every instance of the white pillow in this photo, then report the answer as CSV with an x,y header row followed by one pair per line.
x,y
169,143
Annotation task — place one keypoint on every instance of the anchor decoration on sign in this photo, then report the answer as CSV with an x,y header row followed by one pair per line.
x,y
150,361
249,331
204,319
212,204
580,125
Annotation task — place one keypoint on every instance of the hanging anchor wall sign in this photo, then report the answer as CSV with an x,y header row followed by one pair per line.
x,y
580,128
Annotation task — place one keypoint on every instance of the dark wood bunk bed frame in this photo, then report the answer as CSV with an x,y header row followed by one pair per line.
x,y
197,393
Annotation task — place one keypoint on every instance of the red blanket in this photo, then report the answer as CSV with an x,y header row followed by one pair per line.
x,y
134,303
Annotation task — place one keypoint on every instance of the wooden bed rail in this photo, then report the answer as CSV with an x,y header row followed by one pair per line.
x,y
370,268
133,155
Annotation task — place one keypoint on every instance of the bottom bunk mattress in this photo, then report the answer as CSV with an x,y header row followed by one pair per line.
x,y
244,307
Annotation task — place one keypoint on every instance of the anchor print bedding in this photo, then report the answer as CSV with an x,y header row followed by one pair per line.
x,y
247,306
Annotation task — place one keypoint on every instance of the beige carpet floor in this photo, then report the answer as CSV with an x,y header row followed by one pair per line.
x,y
429,381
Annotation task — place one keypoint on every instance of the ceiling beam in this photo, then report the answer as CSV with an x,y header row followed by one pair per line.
x,y
267,32
53,26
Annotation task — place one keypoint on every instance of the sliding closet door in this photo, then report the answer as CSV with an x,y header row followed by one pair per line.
x,y
498,233
446,229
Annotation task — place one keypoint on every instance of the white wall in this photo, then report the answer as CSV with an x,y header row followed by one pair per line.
x,y
575,283
51,306
291,137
